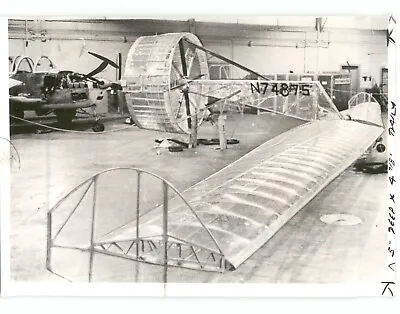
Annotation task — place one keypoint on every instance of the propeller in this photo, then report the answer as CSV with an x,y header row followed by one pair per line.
x,y
102,65
185,90
106,62
185,74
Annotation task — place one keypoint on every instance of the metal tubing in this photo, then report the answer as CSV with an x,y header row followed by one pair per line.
x,y
180,250
49,241
332,105
137,213
165,229
129,248
118,246
73,211
213,257
221,132
92,229
183,242
128,257
193,130
137,224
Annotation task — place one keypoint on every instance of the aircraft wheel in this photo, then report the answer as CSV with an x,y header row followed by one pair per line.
x,y
98,127
65,116
380,148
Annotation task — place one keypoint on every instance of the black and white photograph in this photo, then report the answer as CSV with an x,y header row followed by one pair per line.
x,y
234,150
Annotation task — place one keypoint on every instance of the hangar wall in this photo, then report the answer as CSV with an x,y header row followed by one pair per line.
x,y
267,49
72,54
367,50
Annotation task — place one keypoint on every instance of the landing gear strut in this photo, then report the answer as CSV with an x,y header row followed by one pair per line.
x,y
97,125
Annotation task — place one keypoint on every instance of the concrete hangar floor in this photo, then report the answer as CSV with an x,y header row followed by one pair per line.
x,y
305,250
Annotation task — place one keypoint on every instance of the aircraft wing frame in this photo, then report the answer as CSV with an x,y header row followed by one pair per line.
x,y
231,214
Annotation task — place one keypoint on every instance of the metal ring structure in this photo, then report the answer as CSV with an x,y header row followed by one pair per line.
x,y
158,74
17,62
51,68
361,98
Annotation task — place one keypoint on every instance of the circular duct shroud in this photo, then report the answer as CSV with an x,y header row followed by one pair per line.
x,y
158,73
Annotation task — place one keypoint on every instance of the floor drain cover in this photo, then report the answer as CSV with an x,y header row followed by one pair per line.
x,y
340,219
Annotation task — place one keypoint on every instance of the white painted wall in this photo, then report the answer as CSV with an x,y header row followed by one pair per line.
x,y
369,52
362,22
72,54
271,51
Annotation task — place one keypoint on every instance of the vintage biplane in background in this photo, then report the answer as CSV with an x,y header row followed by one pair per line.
x,y
221,221
39,86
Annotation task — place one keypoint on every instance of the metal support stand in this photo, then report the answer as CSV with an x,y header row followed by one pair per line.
x,y
165,231
222,132
137,224
121,102
193,131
